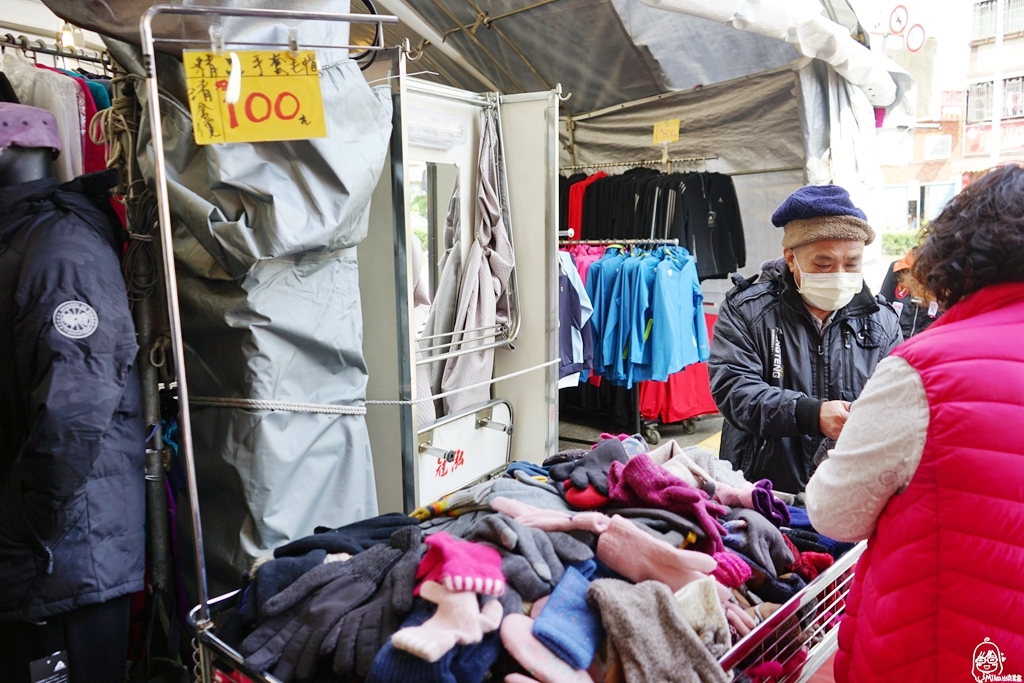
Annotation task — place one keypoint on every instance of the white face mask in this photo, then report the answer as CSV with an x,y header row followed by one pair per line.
x,y
828,291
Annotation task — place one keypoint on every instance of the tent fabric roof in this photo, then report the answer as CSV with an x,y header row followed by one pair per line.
x,y
604,52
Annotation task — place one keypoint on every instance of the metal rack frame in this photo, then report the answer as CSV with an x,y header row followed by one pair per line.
x,y
641,162
148,42
25,45
809,619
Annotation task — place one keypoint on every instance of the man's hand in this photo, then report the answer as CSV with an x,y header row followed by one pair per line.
x,y
832,417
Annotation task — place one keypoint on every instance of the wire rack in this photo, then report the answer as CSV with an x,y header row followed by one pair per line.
x,y
807,623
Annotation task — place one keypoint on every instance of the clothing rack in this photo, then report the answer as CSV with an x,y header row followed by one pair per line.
x,y
641,425
38,46
642,162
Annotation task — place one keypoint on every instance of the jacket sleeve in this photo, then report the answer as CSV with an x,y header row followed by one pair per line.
x,y
894,332
739,242
869,464
75,348
738,386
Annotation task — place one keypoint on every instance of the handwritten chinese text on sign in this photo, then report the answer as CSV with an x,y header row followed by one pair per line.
x,y
280,97
666,131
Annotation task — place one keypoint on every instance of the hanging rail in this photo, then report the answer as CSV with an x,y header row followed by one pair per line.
x,y
601,243
22,43
642,162
186,450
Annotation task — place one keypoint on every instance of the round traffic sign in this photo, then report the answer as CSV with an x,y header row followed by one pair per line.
x,y
915,37
898,19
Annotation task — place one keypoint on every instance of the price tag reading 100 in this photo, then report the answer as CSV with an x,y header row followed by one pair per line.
x,y
280,97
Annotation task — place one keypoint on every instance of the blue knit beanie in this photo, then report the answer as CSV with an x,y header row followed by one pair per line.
x,y
821,212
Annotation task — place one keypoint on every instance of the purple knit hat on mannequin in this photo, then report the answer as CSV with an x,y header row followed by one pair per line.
x,y
27,126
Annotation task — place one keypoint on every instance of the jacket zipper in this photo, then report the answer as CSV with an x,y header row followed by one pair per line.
x,y
821,370
848,361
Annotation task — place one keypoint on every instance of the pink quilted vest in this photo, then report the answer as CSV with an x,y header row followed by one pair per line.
x,y
939,593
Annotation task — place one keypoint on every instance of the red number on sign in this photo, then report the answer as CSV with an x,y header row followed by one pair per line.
x,y
248,107
278,108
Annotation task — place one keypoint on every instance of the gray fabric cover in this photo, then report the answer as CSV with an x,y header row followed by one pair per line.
x,y
269,291
483,296
605,52
441,316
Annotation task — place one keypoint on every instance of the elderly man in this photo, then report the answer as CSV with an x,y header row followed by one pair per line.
x,y
794,346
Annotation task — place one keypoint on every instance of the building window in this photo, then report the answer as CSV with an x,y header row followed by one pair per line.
x,y
1013,17
985,18
979,102
1013,97
938,147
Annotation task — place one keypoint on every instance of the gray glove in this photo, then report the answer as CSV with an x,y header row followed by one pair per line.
x,y
303,614
361,633
593,467
759,540
532,559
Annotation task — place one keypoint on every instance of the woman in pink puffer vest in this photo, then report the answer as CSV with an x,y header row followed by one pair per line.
x,y
930,465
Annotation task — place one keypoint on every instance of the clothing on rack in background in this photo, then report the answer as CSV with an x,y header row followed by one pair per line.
x,y
647,321
701,210
686,394
575,333
708,223
73,98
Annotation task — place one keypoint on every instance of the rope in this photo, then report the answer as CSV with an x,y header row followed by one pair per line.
x,y
253,404
330,409
460,389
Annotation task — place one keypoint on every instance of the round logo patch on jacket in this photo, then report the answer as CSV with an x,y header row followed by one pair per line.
x,y
75,319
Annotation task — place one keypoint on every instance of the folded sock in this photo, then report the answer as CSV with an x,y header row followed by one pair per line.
x,y
459,620
568,625
540,662
551,520
702,609
461,664
637,556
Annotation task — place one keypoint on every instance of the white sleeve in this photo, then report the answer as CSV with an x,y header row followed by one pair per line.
x,y
876,456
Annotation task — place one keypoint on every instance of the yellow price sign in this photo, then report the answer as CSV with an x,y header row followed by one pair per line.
x,y
666,131
280,97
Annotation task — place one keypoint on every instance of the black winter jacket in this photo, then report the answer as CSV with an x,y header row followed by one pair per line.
x,y
72,451
771,370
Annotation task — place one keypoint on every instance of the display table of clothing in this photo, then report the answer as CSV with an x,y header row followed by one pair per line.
x,y
619,563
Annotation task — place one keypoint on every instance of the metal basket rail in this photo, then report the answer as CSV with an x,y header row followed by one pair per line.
x,y
810,619
221,656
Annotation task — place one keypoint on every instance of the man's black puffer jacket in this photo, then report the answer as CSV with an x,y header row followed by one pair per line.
x,y
771,370
72,446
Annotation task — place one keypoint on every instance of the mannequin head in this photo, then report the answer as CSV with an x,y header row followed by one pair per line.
x,y
28,142
24,164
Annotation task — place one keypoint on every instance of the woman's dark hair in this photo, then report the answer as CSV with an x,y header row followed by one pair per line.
x,y
977,240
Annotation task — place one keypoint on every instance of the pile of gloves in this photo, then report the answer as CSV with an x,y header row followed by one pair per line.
x,y
615,564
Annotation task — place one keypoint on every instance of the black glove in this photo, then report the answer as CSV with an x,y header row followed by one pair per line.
x,y
273,577
805,541
761,540
361,633
593,467
302,615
